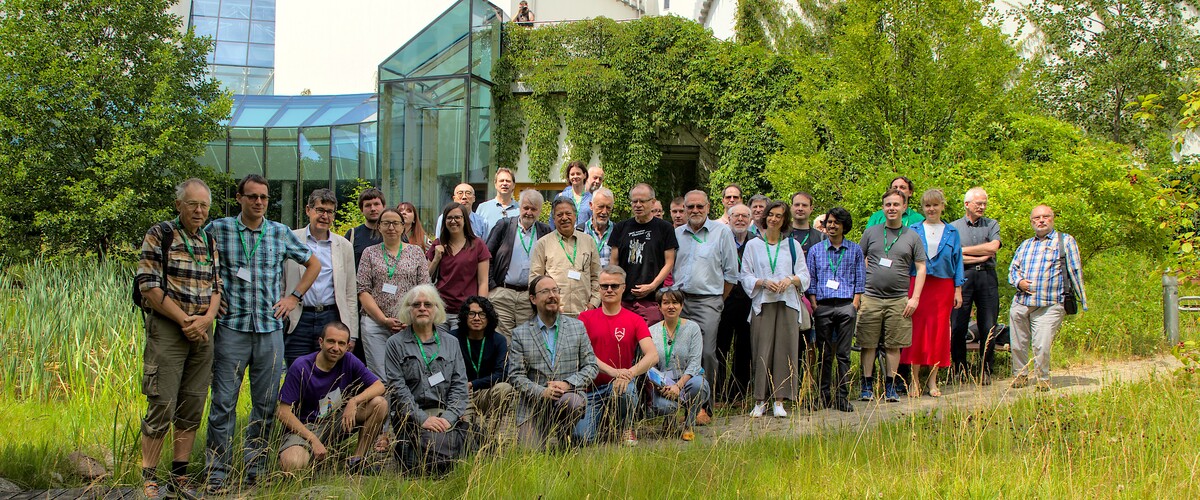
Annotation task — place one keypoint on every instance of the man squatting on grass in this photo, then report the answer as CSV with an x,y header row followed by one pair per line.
x,y
181,292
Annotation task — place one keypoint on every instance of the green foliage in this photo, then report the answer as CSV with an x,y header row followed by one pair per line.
x,y
103,108
1095,57
349,215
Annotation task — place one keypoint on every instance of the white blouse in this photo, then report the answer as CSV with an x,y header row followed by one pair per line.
x,y
756,265
933,238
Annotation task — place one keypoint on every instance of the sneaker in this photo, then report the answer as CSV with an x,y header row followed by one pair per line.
x,y
758,410
778,411
841,404
151,490
1020,381
688,435
362,466
629,438
180,487
866,395
889,393
217,486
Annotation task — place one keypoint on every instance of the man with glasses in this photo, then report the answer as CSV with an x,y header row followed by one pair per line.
x,y
464,194
550,361
734,329
250,333
706,272
730,196
980,242
503,205
334,294
645,248
511,245
571,258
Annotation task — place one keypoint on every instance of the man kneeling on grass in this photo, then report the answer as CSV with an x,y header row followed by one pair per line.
x,y
334,394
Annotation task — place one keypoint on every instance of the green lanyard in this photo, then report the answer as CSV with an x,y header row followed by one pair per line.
x,y
698,240
421,345
476,362
246,250
387,259
834,265
806,236
521,234
887,247
774,259
600,242
188,244
574,251
669,348
547,344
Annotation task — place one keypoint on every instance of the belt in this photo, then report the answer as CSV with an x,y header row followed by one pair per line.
x,y
519,288
834,302
322,308
980,267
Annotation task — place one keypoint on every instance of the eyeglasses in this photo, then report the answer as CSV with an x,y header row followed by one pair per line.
x,y
322,211
476,314
551,291
739,216
192,205
454,218
643,201
696,206
611,286
256,197
421,305
390,224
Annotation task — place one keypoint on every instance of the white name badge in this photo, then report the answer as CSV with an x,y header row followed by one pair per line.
x,y
669,375
575,275
436,379
832,284
390,289
243,274
885,262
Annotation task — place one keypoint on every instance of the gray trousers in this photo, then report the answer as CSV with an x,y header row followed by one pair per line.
x,y
374,337
233,353
706,310
1033,327
775,341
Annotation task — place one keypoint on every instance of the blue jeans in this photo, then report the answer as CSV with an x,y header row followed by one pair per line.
x,y
695,393
607,409
304,339
233,353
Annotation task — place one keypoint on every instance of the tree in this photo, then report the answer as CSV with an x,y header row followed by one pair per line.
x,y
1093,58
104,106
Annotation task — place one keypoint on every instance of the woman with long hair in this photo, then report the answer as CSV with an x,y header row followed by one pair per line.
x,y
414,231
459,260
387,272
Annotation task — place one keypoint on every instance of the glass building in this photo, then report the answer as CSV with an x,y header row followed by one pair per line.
x,y
243,56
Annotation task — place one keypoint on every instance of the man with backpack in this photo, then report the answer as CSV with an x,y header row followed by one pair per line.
x,y
179,291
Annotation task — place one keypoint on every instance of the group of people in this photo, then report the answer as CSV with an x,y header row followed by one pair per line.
x,y
424,345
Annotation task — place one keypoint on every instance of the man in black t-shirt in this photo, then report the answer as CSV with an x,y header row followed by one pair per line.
x,y
371,203
802,230
644,246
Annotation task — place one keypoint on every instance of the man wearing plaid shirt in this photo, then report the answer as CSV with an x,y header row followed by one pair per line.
x,y
839,279
250,331
1037,309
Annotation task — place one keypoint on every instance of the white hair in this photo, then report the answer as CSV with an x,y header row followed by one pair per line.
x,y
972,193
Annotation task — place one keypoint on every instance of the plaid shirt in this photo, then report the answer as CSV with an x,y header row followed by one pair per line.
x,y
851,273
188,283
250,304
1036,260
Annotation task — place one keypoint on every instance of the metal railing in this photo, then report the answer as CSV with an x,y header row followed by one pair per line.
x,y
1173,304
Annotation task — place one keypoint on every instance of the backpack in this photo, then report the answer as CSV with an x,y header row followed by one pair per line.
x,y
164,247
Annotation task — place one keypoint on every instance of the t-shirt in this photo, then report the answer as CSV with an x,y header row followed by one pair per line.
x,y
319,393
641,249
614,338
903,247
807,238
363,237
458,274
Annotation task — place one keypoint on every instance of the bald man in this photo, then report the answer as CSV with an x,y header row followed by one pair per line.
x,y
465,194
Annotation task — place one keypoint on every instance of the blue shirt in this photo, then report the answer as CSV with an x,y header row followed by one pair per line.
x,y
321,292
844,265
549,334
1036,260
479,226
706,259
518,266
583,205
948,262
251,303
492,211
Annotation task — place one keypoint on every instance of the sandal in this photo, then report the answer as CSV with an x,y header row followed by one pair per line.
x,y
935,392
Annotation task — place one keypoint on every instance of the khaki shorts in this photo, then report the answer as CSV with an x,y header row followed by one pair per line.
x,y
883,318
328,430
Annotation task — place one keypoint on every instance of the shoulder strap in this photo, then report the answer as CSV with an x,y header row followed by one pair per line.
x,y
1068,285
164,243
792,247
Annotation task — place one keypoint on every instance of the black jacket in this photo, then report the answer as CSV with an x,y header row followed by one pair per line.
x,y
500,244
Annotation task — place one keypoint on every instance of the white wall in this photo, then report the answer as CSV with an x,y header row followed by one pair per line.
x,y
569,10
336,47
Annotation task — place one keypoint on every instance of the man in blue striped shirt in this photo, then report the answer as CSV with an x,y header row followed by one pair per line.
x,y
1037,311
839,280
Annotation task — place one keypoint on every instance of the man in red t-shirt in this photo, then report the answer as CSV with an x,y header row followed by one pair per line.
x,y
617,334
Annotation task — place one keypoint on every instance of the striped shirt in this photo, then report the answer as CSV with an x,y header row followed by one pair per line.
x,y
251,302
1036,260
189,283
844,265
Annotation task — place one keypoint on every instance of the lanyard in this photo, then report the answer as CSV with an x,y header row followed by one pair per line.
x,y
887,247
600,242
774,259
246,250
421,345
387,259
698,240
476,361
669,348
188,244
546,343
521,235
807,234
833,265
574,251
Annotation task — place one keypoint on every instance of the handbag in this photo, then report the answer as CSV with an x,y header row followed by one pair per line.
x,y
1070,304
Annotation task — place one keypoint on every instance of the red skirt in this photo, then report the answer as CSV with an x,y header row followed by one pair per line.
x,y
931,324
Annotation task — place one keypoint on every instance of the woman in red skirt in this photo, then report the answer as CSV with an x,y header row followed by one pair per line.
x,y
942,293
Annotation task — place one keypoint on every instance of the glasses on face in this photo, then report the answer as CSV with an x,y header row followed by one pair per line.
x,y
421,305
390,224
696,206
455,218
323,211
549,291
256,197
476,315
193,205
739,216
611,286
640,201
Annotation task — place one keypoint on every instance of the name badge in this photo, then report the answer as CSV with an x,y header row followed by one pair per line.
x,y
575,275
669,377
885,262
390,289
524,272
436,379
832,284
244,274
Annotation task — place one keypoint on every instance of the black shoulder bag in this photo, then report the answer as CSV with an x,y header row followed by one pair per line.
x,y
1070,305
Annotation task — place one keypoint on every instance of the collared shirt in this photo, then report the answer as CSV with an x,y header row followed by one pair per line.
x,y
251,303
583,203
492,211
549,335
1036,260
982,231
321,292
518,266
479,226
408,375
909,218
558,258
706,260
187,282
843,265
601,239
943,258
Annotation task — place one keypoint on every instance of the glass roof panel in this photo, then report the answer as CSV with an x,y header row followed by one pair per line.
x,y
307,111
443,43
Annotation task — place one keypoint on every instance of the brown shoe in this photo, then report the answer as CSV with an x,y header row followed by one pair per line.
x,y
688,435
1020,381
703,418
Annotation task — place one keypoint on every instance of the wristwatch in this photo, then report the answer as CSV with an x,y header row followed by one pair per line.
x,y
297,295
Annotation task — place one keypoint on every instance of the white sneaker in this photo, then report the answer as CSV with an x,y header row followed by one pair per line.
x,y
758,410
779,411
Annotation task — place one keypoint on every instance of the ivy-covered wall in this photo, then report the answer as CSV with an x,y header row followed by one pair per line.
x,y
629,88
